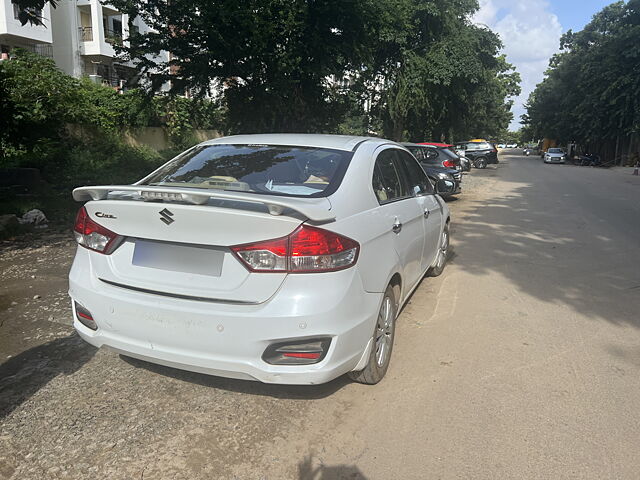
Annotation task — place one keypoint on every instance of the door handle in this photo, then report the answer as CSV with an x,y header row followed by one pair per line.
x,y
397,226
426,213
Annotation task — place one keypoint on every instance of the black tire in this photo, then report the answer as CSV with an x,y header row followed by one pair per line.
x,y
481,162
443,252
375,371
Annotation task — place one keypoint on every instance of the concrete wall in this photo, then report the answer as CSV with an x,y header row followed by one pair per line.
x,y
157,138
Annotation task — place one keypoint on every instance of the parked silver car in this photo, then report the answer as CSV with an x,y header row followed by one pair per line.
x,y
555,155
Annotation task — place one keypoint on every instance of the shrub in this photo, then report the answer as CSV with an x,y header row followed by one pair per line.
x,y
39,102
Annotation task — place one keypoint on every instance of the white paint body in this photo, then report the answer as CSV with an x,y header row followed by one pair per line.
x,y
245,312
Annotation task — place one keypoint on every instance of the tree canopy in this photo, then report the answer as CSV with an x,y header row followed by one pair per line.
x,y
422,68
591,92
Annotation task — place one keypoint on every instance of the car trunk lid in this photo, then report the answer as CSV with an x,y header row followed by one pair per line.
x,y
182,250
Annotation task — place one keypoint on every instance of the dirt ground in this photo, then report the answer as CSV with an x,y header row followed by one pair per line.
x,y
509,365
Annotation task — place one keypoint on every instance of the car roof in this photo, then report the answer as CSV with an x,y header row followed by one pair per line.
x,y
434,144
421,145
336,142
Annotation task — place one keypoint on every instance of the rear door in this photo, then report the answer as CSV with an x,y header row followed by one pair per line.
x,y
429,205
400,211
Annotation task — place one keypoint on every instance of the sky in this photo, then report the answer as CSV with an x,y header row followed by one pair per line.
x,y
530,31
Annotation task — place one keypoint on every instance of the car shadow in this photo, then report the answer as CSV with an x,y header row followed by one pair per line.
x,y
26,373
308,471
303,392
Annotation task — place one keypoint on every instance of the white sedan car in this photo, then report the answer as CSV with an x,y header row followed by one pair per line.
x,y
280,258
555,155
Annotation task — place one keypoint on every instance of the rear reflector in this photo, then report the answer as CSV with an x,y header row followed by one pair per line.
x,y
311,356
306,250
301,352
94,236
84,316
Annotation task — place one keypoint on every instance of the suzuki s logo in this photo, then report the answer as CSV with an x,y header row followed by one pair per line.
x,y
165,216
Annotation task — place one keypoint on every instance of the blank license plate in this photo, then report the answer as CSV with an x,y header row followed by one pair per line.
x,y
201,260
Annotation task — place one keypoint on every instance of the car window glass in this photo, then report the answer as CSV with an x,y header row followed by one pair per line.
x,y
418,182
266,169
418,152
431,153
449,153
387,183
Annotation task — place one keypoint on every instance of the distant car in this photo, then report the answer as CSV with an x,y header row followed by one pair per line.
x,y
480,153
433,168
512,145
441,156
282,258
501,145
555,155
465,163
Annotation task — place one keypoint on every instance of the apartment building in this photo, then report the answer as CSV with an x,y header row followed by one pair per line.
x,y
37,39
78,34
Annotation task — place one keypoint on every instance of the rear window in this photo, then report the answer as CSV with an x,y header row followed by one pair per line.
x,y
478,146
425,155
265,169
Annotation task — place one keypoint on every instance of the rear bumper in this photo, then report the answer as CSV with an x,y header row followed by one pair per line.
x,y
228,339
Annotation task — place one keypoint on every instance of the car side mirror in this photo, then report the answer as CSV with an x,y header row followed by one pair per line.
x,y
446,186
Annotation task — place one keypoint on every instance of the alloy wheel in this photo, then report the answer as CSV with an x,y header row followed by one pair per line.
x,y
384,331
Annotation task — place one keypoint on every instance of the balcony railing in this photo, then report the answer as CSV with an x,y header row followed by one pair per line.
x,y
42,49
110,36
113,36
86,34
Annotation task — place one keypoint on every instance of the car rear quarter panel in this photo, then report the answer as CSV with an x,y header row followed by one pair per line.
x,y
358,216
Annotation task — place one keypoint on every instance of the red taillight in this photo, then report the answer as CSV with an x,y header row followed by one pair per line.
x,y
307,250
93,236
449,164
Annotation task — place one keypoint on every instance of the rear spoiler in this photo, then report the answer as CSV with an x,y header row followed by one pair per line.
x,y
316,209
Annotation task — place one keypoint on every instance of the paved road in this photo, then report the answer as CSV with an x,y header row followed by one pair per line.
x,y
521,361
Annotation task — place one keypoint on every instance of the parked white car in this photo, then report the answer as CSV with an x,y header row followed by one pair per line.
x,y
555,155
279,258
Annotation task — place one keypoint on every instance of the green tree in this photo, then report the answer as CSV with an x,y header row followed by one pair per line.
x,y
273,57
591,92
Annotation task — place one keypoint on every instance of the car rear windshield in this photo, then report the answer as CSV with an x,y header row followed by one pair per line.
x,y
478,146
555,150
425,155
266,169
